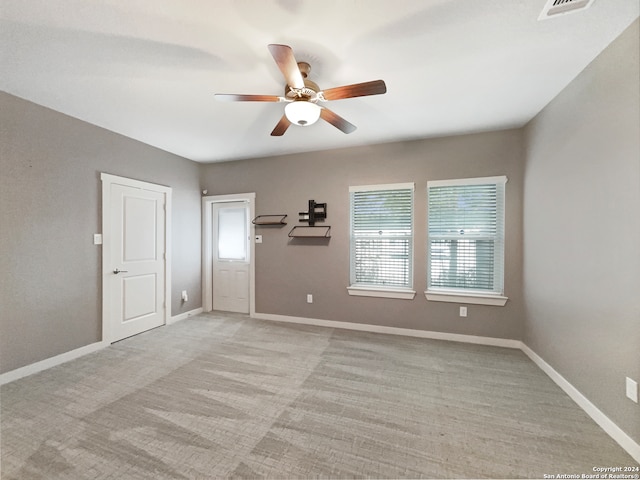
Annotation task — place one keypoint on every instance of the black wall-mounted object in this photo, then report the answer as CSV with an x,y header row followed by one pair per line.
x,y
302,231
317,212
269,220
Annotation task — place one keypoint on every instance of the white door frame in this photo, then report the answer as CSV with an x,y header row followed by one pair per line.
x,y
207,250
107,181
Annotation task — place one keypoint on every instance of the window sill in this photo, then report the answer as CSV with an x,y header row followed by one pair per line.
x,y
465,297
402,293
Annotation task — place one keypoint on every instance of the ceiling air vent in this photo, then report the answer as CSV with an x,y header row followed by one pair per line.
x,y
555,8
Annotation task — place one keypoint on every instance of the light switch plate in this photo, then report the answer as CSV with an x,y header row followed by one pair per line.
x,y
632,390
258,238
97,239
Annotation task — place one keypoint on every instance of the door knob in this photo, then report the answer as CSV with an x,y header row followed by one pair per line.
x,y
116,271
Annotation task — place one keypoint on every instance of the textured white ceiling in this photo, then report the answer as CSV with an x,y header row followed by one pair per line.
x,y
148,69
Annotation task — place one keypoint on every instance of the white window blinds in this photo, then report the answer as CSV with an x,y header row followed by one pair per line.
x,y
382,235
466,235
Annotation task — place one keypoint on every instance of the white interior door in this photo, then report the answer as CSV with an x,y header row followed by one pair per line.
x,y
137,255
231,256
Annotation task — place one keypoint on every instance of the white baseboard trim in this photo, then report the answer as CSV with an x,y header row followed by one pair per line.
x,y
47,363
364,327
615,432
182,316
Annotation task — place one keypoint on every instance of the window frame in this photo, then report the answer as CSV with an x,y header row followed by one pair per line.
x,y
372,290
466,295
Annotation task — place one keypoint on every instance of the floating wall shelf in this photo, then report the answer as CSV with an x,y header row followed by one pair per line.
x,y
264,220
303,231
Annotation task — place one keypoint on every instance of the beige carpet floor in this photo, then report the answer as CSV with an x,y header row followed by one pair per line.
x,y
225,396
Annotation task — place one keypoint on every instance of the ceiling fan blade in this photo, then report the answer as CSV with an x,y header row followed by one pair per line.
x,y
283,55
375,87
231,97
281,127
336,120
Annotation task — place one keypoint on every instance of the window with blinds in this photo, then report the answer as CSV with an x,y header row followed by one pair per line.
x,y
382,235
466,235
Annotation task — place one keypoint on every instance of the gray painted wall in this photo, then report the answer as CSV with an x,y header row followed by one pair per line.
x,y
582,231
575,169
50,192
287,270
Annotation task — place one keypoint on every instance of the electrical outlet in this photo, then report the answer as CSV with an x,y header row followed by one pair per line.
x,y
632,390
309,298
185,297
463,311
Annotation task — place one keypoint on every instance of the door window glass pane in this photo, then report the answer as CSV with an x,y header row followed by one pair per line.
x,y
232,233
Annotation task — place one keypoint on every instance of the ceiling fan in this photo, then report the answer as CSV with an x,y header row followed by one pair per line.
x,y
302,95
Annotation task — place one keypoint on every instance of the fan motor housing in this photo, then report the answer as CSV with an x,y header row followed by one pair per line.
x,y
310,89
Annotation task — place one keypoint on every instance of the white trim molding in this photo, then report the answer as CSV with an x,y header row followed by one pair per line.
x,y
608,425
51,362
185,315
466,297
402,293
65,357
364,226
384,186
407,332
445,227
468,181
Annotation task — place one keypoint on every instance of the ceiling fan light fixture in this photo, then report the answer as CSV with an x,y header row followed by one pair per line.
x,y
302,95
302,112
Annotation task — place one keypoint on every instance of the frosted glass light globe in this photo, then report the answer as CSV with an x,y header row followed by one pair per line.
x,y
302,113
